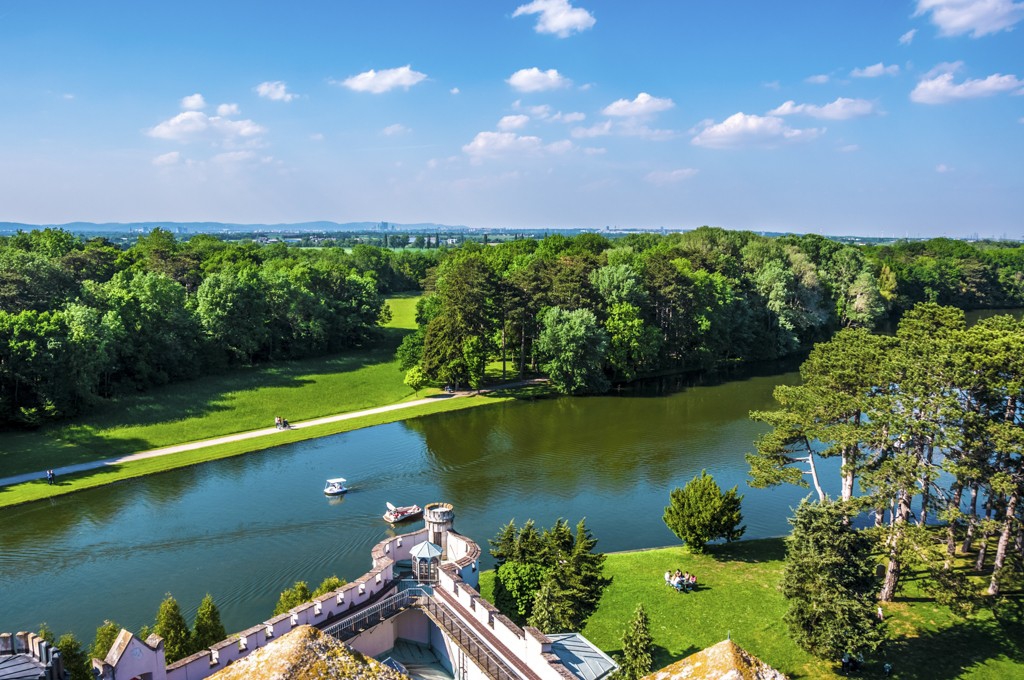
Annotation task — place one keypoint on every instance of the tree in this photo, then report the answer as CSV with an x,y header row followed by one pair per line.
x,y
207,628
329,584
573,345
73,657
415,380
520,582
829,583
552,610
637,648
699,512
171,626
106,635
293,597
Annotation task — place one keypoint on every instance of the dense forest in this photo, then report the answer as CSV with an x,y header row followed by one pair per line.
x,y
587,311
82,319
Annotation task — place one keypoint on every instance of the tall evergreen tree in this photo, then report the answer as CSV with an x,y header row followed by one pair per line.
x,y
171,626
106,634
207,628
829,583
637,647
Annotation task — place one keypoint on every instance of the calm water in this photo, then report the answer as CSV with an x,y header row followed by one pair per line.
x,y
243,529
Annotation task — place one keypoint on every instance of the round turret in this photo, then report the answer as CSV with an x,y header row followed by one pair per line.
x,y
440,519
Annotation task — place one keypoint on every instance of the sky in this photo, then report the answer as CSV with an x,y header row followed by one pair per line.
x,y
869,117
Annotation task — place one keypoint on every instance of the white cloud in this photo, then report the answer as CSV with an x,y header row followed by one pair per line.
x,y
317,137
454,90
848,148
740,130
228,110
491,144
377,82
875,70
772,85
643,105
573,117
633,128
535,80
942,168
234,157
596,130
193,102
937,87
977,17
395,129
819,79
908,37
559,147
68,96
516,122
663,177
276,90
594,150
169,158
189,126
842,108
557,17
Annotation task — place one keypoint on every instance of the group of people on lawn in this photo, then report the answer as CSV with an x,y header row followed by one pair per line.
x,y
681,580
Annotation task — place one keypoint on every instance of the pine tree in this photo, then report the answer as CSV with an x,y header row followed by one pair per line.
x,y
699,512
171,626
637,648
552,611
829,582
106,634
207,628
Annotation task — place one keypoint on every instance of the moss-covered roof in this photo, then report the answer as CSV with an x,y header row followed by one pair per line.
x,y
724,661
306,654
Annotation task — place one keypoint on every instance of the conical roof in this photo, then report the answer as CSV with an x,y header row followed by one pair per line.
x,y
724,661
425,551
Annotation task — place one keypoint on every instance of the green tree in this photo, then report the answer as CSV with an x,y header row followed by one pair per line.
x,y
415,380
293,597
73,657
699,512
106,635
170,624
829,583
637,648
329,584
573,346
207,628
552,609
520,582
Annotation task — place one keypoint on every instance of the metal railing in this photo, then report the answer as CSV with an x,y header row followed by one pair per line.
x,y
468,641
421,595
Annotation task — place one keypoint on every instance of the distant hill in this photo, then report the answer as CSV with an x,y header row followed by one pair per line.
x,y
213,227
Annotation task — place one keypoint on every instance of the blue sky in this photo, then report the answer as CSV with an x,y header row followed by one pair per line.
x,y
876,117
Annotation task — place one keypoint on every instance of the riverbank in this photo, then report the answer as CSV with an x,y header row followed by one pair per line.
x,y
33,486
738,597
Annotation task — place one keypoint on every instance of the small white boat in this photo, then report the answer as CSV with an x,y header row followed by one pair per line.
x,y
335,487
402,513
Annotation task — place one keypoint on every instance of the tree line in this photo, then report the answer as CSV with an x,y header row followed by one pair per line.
x,y
588,311
84,320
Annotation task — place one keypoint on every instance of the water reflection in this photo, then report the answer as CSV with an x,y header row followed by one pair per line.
x,y
245,528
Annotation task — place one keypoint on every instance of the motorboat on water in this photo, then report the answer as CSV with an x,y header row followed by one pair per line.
x,y
335,487
402,513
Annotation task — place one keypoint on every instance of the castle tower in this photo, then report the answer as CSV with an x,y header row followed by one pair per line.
x,y
440,519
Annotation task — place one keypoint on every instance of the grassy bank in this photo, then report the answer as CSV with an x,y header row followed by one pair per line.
x,y
219,405
739,597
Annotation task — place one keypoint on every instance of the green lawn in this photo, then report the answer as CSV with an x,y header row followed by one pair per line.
x,y
739,597
212,406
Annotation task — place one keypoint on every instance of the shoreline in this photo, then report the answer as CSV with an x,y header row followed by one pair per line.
x,y
31,487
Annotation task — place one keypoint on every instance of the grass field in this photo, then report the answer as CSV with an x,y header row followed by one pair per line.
x,y
739,597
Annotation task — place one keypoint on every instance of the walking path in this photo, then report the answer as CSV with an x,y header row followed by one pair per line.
x,y
252,434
